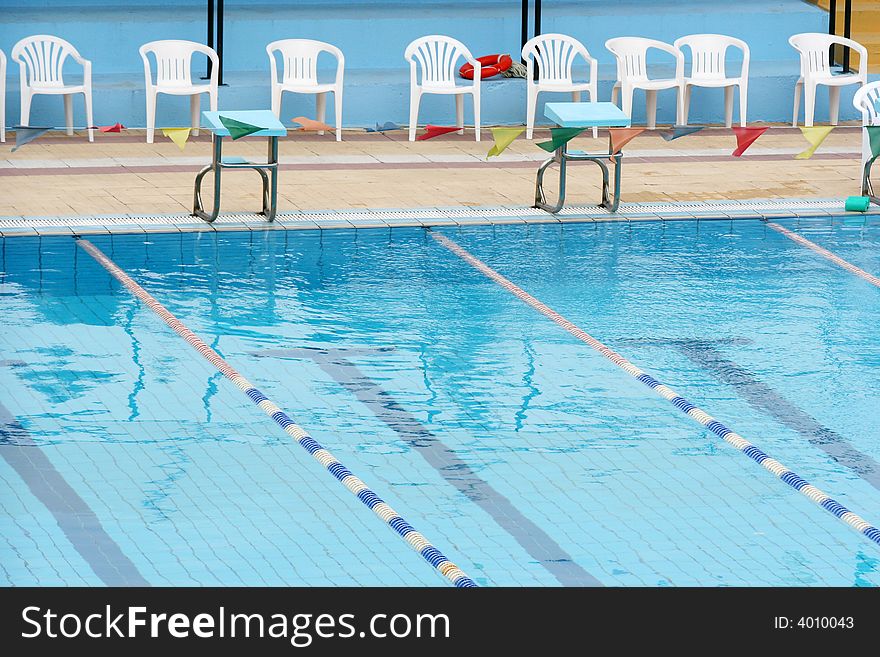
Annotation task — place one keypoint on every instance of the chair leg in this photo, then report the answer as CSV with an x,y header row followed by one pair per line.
x,y
798,87
337,105
194,106
414,100
2,117
531,106
25,116
89,120
626,100
728,106
594,98
743,103
685,105
477,116
276,101
68,113
651,108
459,113
809,104
834,104
212,95
151,115
321,108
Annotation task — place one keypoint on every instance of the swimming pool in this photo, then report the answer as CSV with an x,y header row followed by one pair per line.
x,y
524,455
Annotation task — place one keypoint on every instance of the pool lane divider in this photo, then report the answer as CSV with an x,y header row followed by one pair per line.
x,y
825,253
388,515
771,465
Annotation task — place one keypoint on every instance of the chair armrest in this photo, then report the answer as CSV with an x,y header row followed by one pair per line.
x,y
675,52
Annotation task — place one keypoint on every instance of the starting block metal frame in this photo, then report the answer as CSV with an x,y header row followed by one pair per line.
x,y
272,128
583,115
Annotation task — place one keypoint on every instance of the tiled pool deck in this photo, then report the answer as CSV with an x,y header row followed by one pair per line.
x,y
61,184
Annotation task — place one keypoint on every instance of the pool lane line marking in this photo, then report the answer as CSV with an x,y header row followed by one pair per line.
x,y
75,518
444,460
716,427
765,399
825,253
357,487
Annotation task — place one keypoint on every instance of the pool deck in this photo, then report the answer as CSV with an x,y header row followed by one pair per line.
x,y
61,184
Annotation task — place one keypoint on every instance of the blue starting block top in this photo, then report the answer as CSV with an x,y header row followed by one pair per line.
x,y
586,115
265,119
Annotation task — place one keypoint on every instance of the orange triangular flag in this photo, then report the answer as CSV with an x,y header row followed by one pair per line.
x,y
432,131
745,137
620,137
311,124
117,127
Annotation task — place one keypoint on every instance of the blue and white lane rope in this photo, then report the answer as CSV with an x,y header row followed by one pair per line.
x,y
430,553
716,427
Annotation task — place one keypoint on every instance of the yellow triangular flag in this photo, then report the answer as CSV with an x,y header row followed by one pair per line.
x,y
177,135
503,138
815,136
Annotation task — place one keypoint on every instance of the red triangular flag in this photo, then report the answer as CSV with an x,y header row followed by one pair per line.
x,y
432,131
116,127
745,137
620,137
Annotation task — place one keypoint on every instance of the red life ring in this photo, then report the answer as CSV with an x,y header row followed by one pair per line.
x,y
492,65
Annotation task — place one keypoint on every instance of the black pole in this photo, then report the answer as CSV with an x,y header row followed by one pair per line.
x,y
220,39
524,26
210,34
832,28
847,25
537,17
537,27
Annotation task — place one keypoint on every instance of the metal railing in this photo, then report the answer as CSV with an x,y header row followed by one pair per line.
x,y
847,30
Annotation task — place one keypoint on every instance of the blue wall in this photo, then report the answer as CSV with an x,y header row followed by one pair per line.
x,y
373,35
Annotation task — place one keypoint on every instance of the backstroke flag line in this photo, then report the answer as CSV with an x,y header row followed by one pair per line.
x,y
679,131
177,135
620,137
814,135
26,134
558,137
745,137
238,129
874,139
311,124
116,127
503,138
432,131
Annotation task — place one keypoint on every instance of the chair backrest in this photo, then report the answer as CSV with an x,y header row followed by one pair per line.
x,y
632,56
867,101
437,56
174,61
709,53
555,55
813,48
300,59
41,58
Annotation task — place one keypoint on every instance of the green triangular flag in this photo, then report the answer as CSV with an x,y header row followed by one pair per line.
x,y
26,134
237,129
558,137
679,131
874,138
503,138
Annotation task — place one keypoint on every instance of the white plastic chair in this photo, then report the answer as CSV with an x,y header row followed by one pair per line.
x,y
174,76
41,60
555,55
708,55
437,56
2,96
816,69
300,75
867,102
632,74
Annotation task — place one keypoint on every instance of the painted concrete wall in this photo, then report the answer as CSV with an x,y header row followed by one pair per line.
x,y
373,35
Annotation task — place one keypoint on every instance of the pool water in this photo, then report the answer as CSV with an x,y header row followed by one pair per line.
x,y
524,455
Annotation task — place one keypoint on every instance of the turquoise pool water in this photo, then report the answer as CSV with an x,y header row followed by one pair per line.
x,y
522,454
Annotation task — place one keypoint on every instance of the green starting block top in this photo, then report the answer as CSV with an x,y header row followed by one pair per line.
x,y
265,119
586,115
